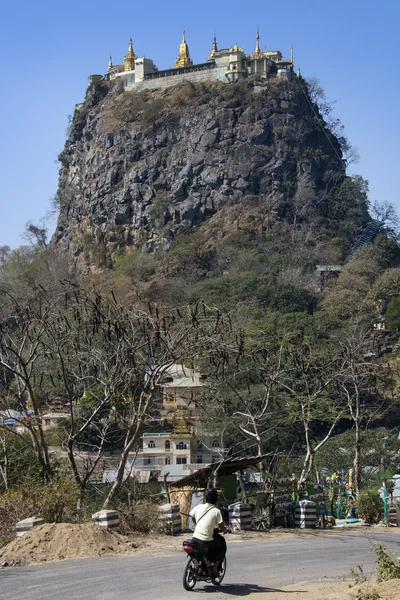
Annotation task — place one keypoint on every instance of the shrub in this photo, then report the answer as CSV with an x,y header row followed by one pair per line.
x,y
290,298
159,210
229,290
393,313
143,517
136,265
388,563
53,501
370,506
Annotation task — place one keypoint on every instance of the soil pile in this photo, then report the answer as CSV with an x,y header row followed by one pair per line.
x,y
58,541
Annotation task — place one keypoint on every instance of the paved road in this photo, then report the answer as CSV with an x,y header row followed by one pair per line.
x,y
253,567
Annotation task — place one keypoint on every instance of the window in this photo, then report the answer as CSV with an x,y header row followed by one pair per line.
x,y
150,460
167,444
151,444
47,422
215,444
181,460
199,459
215,458
167,460
199,445
181,446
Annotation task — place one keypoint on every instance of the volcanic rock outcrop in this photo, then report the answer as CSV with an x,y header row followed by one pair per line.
x,y
139,169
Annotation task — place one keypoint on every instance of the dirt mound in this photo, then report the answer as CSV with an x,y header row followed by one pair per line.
x,y
57,541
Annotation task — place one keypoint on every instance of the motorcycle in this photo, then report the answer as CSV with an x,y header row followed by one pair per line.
x,y
199,568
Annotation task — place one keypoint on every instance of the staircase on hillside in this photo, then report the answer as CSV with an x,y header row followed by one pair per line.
x,y
368,235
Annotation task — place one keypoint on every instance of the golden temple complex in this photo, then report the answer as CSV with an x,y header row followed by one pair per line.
x,y
227,64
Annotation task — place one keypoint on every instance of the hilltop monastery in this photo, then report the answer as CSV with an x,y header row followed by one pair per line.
x,y
227,64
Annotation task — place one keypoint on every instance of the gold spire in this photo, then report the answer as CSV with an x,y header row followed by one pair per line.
x,y
183,59
214,49
298,72
235,48
129,60
257,51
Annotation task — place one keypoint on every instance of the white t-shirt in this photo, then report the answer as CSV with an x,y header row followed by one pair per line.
x,y
205,524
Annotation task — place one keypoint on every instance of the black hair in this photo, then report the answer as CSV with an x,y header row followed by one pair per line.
x,y
212,496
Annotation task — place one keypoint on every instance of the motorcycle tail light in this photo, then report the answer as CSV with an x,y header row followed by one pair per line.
x,y
188,549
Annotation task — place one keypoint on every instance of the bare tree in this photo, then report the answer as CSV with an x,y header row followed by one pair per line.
x,y
21,348
363,386
386,213
308,391
36,235
186,335
105,361
282,384
4,251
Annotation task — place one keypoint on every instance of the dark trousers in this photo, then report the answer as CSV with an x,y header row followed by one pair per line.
x,y
213,550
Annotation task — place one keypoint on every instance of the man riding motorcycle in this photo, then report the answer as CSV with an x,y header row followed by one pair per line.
x,y
206,518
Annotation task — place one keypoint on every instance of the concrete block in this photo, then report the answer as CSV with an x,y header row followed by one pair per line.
x,y
26,525
170,519
240,516
106,518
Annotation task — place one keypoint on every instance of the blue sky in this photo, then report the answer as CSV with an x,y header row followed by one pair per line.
x,y
49,49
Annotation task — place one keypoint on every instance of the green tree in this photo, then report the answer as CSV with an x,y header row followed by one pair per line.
x,y
377,445
350,295
392,314
364,385
290,298
18,461
309,392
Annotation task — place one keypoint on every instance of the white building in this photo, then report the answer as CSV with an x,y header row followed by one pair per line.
x,y
51,419
179,445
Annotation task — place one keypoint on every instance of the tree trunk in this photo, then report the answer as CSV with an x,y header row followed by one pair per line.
x,y
4,468
307,466
357,445
357,459
309,459
40,444
132,436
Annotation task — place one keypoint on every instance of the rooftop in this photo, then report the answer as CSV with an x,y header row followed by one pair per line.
x,y
181,376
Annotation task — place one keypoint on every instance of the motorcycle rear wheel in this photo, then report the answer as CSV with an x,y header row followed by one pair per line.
x,y
189,575
222,571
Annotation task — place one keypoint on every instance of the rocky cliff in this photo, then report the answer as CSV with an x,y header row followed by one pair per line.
x,y
141,169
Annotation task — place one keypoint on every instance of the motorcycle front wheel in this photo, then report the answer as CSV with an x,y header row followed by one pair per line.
x,y
189,575
222,570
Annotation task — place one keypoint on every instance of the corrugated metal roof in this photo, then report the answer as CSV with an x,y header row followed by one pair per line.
x,y
226,467
56,415
9,413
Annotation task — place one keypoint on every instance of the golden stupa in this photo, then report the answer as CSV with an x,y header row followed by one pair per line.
x,y
129,60
183,59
